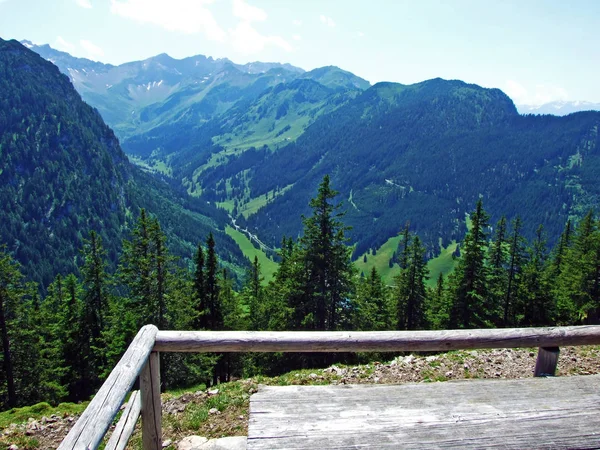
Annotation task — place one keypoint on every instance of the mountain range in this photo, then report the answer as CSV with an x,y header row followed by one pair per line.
x,y
559,108
63,174
256,140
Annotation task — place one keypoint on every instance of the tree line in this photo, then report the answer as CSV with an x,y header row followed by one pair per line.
x,y
61,347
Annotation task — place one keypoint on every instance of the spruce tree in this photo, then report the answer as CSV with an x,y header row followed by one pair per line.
x,y
253,296
438,309
75,340
469,281
327,268
214,311
515,260
498,277
372,311
12,290
95,298
135,270
578,289
199,292
410,289
536,302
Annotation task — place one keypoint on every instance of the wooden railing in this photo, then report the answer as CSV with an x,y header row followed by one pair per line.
x,y
141,359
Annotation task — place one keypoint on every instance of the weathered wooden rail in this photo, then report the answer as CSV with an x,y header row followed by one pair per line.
x,y
141,359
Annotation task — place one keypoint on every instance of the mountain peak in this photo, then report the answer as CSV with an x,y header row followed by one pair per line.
x,y
336,78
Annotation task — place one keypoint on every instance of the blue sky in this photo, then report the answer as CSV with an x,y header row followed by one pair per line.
x,y
536,51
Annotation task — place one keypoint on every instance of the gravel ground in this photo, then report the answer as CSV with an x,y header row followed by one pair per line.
x,y
47,432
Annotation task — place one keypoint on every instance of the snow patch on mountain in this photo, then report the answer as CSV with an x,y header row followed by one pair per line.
x,y
559,108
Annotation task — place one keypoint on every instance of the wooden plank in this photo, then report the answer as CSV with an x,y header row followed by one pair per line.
x,y
555,413
124,429
88,431
380,341
151,408
547,360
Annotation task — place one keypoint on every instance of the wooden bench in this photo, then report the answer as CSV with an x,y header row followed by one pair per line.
x,y
557,413
142,360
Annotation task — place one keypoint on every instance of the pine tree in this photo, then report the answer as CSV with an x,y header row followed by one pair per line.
x,y
233,319
372,309
213,310
328,271
578,291
135,270
564,243
253,296
410,290
75,342
438,310
404,248
95,299
184,369
199,293
469,281
37,371
498,276
516,257
537,304
497,257
11,292
161,276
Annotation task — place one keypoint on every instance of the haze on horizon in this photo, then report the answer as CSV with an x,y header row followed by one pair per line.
x,y
536,51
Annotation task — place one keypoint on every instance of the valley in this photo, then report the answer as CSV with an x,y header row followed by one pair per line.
x,y
257,142
203,194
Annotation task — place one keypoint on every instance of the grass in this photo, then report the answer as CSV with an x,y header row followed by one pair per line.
x,y
263,133
268,266
153,165
37,411
444,263
254,204
381,261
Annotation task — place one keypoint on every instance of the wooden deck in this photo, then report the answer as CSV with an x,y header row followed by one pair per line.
x,y
548,413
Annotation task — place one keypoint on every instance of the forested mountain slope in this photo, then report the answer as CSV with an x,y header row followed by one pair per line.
x,y
425,153
422,153
137,96
161,108
63,173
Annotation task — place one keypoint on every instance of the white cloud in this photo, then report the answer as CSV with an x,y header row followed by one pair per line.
x,y
297,37
327,20
248,12
546,93
92,50
84,3
185,16
63,44
539,95
297,23
361,34
246,39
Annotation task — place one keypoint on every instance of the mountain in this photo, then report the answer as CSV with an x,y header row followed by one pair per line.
x,y
425,153
153,104
138,96
63,173
336,78
258,144
561,108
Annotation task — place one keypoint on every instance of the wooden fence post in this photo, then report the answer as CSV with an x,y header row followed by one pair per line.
x,y
547,360
151,407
